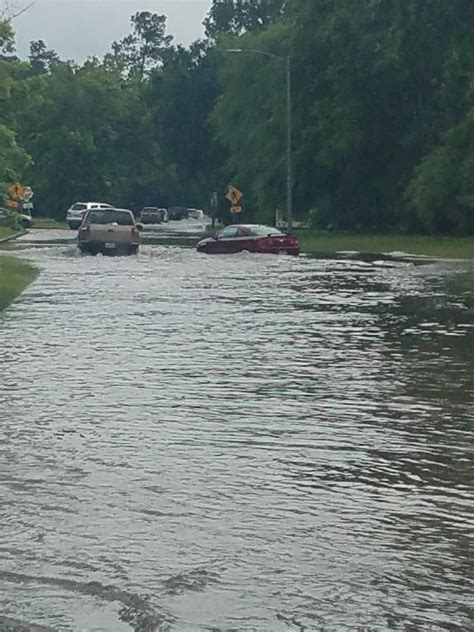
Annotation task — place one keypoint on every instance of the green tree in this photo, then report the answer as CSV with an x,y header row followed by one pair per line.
x,y
442,190
179,98
238,16
250,121
141,51
7,39
13,160
85,129
42,60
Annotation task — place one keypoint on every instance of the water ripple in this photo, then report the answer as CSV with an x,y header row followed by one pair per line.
x,y
237,443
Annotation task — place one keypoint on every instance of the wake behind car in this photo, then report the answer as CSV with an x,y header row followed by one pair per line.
x,y
109,231
75,214
250,238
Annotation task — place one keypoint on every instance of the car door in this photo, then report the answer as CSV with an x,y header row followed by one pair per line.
x,y
245,240
227,241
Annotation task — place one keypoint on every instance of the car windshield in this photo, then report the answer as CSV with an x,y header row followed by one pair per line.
x,y
264,230
122,218
150,210
78,207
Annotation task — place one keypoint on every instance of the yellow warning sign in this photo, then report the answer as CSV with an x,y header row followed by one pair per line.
x,y
234,195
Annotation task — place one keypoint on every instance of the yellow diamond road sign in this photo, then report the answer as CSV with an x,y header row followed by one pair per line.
x,y
16,191
234,195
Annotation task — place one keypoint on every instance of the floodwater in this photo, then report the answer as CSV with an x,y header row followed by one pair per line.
x,y
245,443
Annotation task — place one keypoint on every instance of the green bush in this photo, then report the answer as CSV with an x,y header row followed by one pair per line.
x,y
14,222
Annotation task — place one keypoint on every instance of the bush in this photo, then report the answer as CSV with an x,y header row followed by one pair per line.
x,y
14,222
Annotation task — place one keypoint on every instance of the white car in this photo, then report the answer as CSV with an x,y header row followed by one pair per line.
x,y
76,213
196,213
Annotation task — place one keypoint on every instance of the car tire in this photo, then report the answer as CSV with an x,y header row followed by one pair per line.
x,y
133,250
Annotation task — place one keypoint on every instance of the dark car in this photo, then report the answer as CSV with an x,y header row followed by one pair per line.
x,y
177,213
251,238
153,215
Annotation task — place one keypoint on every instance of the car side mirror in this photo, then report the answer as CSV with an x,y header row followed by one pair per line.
x,y
139,226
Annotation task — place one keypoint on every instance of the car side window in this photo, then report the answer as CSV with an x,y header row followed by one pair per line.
x,y
229,232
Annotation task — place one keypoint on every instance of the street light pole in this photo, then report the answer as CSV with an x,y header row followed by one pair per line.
x,y
289,128
289,149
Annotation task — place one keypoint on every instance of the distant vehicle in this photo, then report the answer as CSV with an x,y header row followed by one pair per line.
x,y
24,217
109,231
153,215
177,213
250,238
195,213
75,214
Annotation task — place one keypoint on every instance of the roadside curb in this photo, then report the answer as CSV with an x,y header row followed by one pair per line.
x,y
4,240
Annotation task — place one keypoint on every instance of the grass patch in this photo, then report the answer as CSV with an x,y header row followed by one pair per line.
x,y
314,242
15,276
48,223
5,232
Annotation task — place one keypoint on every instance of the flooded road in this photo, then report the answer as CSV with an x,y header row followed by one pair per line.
x,y
242,443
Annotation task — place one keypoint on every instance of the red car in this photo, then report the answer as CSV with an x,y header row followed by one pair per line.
x,y
250,238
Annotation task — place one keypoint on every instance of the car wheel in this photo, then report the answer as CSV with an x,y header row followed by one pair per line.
x,y
133,250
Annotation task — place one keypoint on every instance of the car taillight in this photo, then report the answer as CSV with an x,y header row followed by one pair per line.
x,y
135,234
84,232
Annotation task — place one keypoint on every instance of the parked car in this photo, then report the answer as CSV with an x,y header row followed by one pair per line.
x,y
109,231
25,218
251,238
177,213
153,215
75,214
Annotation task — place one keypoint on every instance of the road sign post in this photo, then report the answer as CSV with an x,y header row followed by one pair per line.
x,y
234,195
214,204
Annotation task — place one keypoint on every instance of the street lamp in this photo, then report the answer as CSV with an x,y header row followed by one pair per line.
x,y
289,125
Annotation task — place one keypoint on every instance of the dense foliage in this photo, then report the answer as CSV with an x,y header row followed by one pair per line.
x,y
382,102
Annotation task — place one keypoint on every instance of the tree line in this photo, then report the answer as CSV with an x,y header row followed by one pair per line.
x,y
382,104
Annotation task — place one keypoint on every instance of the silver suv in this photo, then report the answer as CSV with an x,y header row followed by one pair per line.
x,y
76,213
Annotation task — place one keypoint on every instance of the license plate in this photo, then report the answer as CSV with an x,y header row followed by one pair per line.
x,y
110,245
282,252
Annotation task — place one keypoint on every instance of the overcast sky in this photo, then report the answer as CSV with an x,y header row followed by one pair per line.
x,y
77,29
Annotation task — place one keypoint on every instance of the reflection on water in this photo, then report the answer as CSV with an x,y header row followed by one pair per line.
x,y
237,443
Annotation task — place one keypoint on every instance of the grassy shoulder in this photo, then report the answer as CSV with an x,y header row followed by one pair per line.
x,y
314,242
5,232
48,223
15,276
